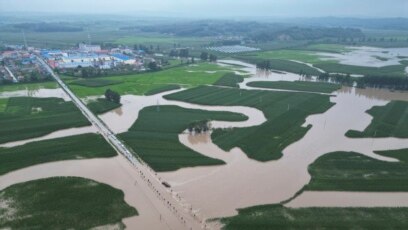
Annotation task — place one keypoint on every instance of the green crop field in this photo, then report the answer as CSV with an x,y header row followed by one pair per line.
x,y
101,105
66,148
319,87
348,171
284,65
390,120
95,82
139,84
163,41
393,70
62,203
230,80
331,48
280,217
162,89
298,55
3,104
27,117
28,86
285,113
154,136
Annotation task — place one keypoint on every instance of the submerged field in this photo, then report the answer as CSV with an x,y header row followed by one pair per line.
x,y
83,146
154,136
27,117
139,84
62,203
285,113
390,120
280,217
319,87
348,171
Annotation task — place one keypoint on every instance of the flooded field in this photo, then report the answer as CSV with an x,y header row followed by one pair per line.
x,y
217,191
368,56
40,93
350,199
244,182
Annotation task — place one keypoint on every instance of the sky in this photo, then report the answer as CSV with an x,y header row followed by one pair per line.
x,y
216,8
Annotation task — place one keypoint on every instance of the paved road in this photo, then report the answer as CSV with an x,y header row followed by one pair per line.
x,y
11,74
167,204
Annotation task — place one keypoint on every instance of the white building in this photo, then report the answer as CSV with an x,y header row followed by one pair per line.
x,y
89,48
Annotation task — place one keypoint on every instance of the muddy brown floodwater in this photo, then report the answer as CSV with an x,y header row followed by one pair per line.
x,y
242,182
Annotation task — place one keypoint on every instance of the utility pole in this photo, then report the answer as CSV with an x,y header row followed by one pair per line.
x,y
25,40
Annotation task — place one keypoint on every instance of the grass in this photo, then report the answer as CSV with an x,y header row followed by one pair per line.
x,y
101,105
284,65
95,82
139,84
62,203
28,86
230,80
349,171
280,217
331,48
27,117
66,148
390,120
163,41
154,136
393,70
162,89
3,104
319,87
298,55
285,113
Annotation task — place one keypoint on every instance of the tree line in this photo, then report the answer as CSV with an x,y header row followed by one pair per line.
x,y
112,96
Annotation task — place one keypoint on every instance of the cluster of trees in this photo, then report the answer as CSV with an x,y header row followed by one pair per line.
x,y
112,96
337,78
266,64
299,33
153,66
183,53
147,49
395,83
48,27
90,72
208,57
199,126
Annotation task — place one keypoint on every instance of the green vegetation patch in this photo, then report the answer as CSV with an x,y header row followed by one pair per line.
x,y
319,87
95,82
390,120
280,217
3,104
154,136
230,80
27,117
285,65
101,105
66,148
349,171
285,113
62,203
139,84
393,70
331,48
162,89
28,86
